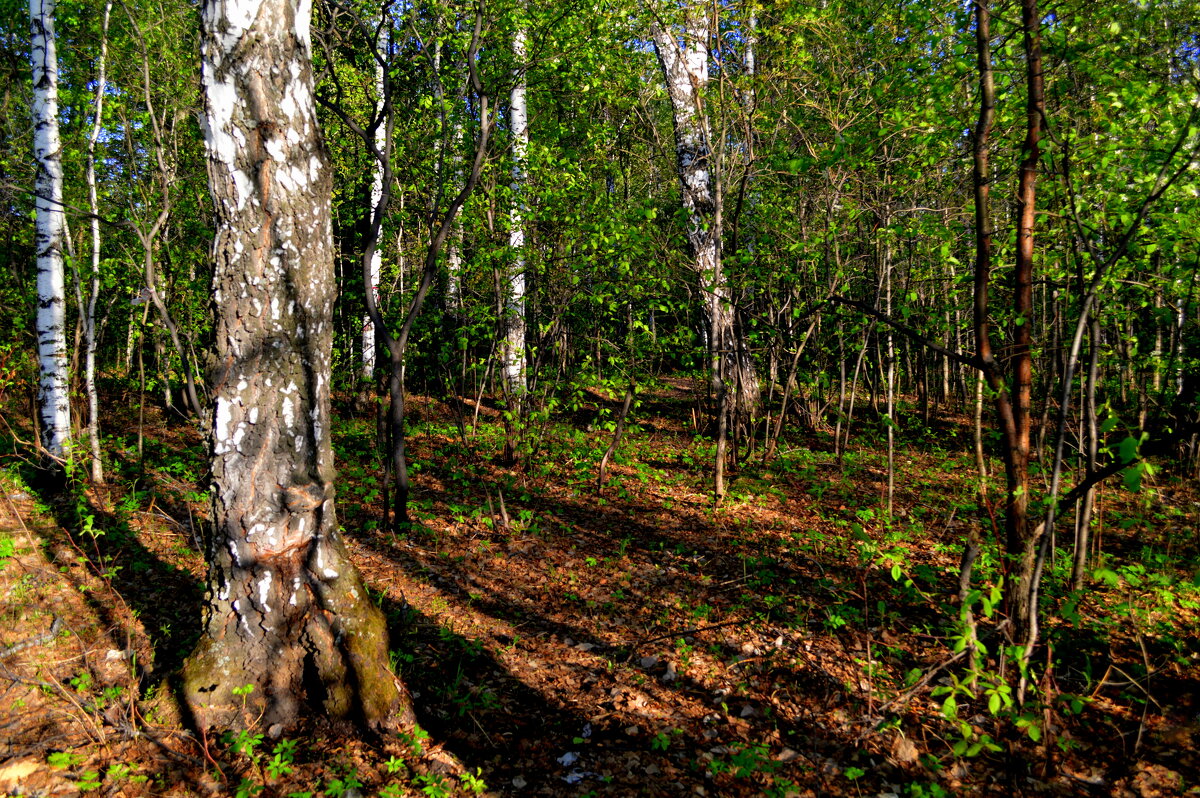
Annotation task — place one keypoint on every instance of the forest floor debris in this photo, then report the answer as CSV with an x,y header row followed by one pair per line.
x,y
636,642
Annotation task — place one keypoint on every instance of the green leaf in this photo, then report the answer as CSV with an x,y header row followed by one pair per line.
x,y
1133,478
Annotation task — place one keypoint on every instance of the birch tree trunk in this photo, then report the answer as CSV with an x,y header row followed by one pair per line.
x,y
49,229
683,56
286,610
89,328
376,265
454,243
514,282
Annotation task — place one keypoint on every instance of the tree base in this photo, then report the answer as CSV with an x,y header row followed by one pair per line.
x,y
327,660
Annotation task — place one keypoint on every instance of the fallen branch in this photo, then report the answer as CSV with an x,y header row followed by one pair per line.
x,y
696,630
37,640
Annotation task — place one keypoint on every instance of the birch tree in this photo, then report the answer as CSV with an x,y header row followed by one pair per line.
x,y
89,322
286,611
513,283
683,56
376,263
50,228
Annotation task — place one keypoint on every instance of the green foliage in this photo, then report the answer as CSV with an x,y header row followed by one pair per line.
x,y
61,760
7,550
343,785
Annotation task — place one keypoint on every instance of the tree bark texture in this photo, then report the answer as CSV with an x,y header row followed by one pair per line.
x,y
89,377
286,611
49,230
1023,537
1012,405
375,270
514,280
683,56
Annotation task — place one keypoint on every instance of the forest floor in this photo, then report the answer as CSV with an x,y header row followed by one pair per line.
x,y
639,641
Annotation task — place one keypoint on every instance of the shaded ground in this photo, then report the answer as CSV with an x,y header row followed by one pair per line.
x,y
639,642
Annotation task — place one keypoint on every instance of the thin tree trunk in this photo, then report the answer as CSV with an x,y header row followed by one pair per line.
x,y
1091,448
616,439
685,71
890,376
374,269
148,236
514,277
89,376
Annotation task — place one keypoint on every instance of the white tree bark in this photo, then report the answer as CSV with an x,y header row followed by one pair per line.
x,y
368,331
286,610
514,284
49,228
455,241
683,55
89,324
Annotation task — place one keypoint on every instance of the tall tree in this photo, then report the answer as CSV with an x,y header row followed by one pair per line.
x,y
50,223
683,55
286,610
89,315
513,281
377,176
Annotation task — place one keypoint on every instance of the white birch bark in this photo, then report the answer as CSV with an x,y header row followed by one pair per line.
x,y
368,331
455,240
514,283
285,610
89,324
49,228
683,56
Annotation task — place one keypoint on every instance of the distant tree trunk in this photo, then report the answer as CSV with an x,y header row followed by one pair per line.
x,y
49,229
148,235
1091,451
89,325
286,611
513,283
890,380
454,244
440,228
375,267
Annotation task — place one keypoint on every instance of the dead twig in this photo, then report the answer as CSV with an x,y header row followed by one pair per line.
x,y
695,630
37,640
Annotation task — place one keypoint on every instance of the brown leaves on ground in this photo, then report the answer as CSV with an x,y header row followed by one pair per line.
x,y
639,642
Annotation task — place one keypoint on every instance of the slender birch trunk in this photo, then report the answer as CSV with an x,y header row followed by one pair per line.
x,y
454,243
683,56
513,283
89,328
49,229
375,267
